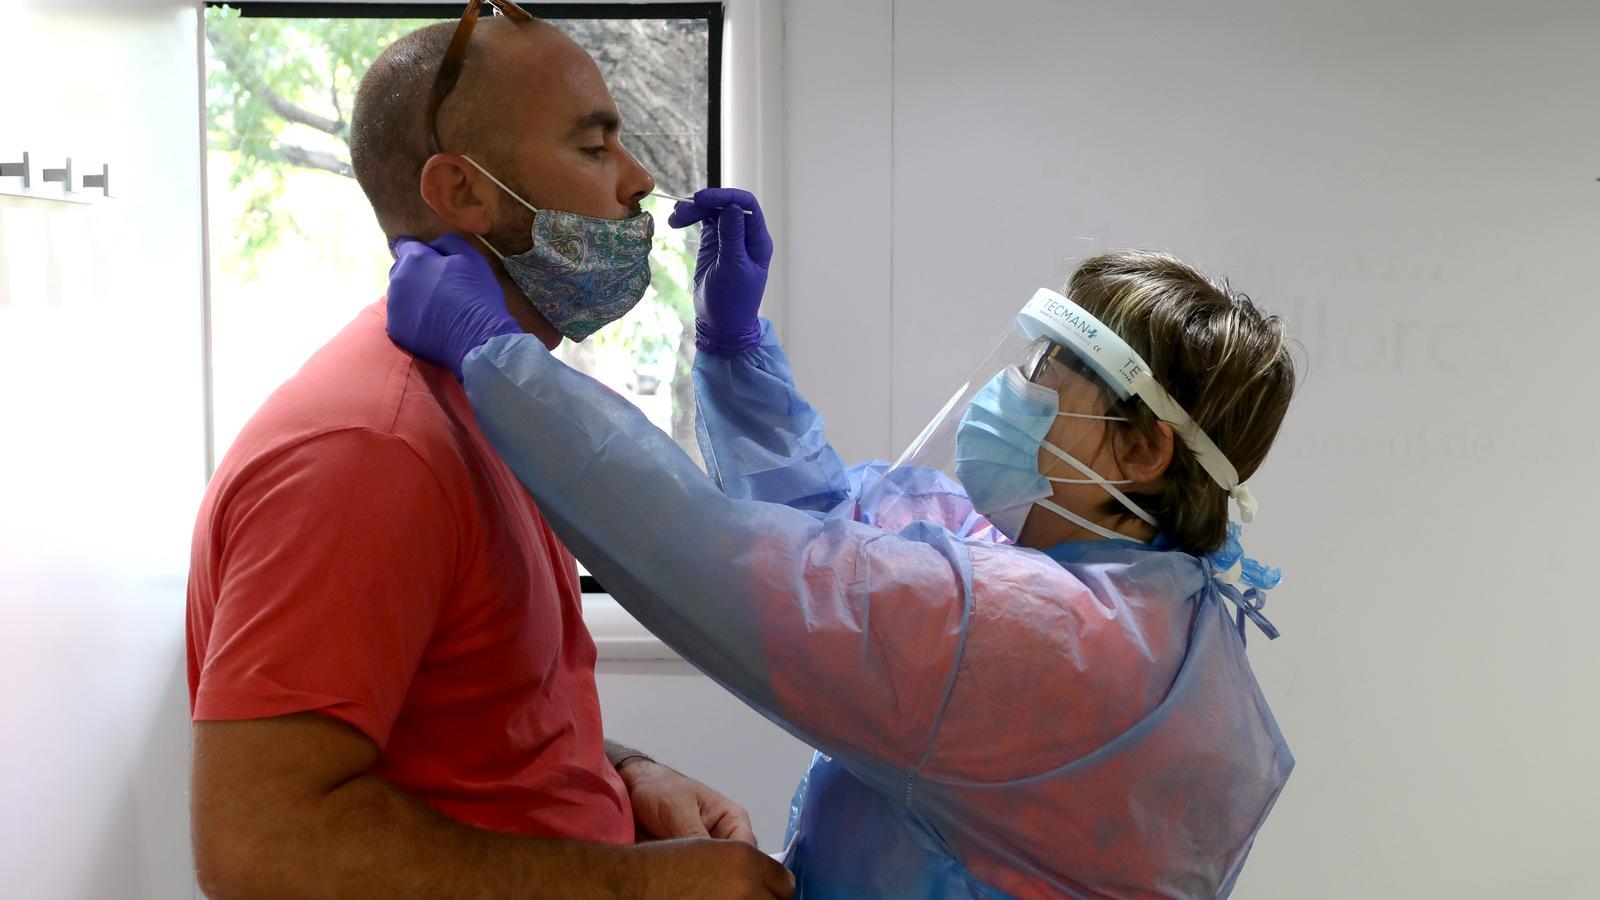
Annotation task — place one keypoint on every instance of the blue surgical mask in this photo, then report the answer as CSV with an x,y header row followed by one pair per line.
x,y
581,273
997,456
997,449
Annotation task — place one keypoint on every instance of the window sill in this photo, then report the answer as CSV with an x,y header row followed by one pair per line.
x,y
618,635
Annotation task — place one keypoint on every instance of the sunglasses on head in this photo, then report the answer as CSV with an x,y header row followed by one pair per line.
x,y
456,54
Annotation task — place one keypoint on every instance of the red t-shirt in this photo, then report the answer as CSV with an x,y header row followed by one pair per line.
x,y
362,553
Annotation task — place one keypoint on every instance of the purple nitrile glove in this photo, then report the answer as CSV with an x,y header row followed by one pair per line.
x,y
731,274
444,300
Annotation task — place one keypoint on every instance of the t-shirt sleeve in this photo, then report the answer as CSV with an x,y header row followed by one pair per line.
x,y
336,557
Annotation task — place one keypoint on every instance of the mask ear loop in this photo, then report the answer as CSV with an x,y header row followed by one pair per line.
x,y
1085,524
485,241
1055,480
1090,475
502,185
1100,480
1087,416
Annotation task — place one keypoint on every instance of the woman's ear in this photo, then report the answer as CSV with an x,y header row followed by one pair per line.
x,y
456,193
1144,456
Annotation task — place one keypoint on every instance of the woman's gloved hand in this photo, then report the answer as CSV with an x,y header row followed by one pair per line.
x,y
444,300
731,273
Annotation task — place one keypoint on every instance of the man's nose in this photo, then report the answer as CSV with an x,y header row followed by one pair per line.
x,y
636,184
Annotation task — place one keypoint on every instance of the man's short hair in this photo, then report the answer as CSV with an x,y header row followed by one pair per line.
x,y
389,140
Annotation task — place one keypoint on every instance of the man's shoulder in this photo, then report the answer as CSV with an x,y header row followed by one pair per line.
x,y
359,383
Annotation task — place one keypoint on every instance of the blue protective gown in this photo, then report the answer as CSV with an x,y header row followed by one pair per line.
x,y
992,721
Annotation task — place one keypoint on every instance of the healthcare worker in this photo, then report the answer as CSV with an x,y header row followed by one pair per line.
x,y
1020,649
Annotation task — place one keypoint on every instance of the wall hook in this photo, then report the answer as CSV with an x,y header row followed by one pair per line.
x,y
101,181
63,175
23,169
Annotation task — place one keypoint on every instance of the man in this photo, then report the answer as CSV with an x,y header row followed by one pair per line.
x,y
391,684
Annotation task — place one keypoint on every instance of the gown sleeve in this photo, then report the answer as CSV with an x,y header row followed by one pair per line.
x,y
846,635
762,440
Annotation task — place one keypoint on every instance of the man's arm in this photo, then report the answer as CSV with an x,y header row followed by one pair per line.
x,y
668,804
621,755
285,808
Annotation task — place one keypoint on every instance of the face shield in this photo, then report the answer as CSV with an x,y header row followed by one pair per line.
x,y
1033,414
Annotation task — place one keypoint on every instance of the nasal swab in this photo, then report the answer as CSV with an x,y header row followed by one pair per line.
x,y
687,200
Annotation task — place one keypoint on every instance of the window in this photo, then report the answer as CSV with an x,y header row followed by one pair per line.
x,y
295,251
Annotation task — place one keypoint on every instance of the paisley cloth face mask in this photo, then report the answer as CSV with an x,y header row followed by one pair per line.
x,y
581,273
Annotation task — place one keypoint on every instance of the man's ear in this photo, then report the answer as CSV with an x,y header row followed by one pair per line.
x,y
458,194
1142,457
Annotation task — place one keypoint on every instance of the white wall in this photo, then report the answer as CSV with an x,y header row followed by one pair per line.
x,y
1414,186
101,450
